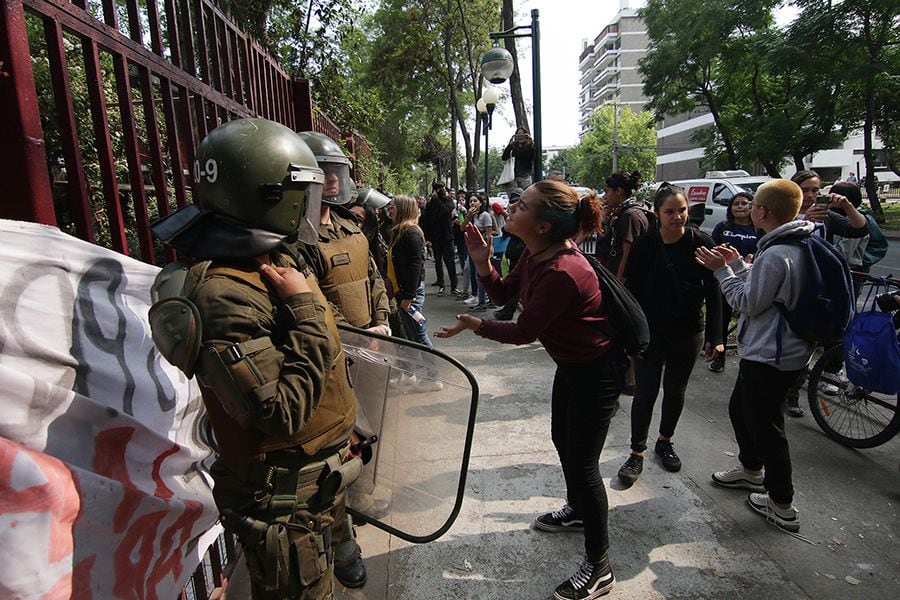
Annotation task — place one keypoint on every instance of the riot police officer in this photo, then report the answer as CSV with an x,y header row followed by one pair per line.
x,y
353,286
250,320
347,273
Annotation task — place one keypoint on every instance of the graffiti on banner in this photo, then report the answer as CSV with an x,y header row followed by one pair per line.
x,y
104,491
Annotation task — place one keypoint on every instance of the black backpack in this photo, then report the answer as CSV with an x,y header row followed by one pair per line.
x,y
632,333
827,300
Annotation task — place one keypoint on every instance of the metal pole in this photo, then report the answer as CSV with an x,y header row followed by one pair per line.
x,y
536,90
487,128
615,147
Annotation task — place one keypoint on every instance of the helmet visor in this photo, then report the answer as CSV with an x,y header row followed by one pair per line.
x,y
339,187
308,228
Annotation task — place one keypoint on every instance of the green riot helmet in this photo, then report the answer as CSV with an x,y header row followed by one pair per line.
x,y
262,175
339,187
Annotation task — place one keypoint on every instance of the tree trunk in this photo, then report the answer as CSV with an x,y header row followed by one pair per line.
x,y
771,168
871,186
798,162
515,81
454,161
723,131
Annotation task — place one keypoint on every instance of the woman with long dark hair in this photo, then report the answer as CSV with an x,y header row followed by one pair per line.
x,y
737,231
672,289
563,308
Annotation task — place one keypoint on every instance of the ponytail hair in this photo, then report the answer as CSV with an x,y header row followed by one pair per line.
x,y
625,181
568,215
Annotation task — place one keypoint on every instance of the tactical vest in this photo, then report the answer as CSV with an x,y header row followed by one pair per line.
x,y
334,415
346,280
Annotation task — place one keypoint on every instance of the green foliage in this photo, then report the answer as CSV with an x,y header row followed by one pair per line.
x,y
591,161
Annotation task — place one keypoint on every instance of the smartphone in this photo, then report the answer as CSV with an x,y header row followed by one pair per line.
x,y
822,200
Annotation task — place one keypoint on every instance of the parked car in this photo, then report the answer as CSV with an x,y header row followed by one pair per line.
x,y
708,197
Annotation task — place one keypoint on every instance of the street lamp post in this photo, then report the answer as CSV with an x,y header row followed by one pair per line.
x,y
497,65
485,106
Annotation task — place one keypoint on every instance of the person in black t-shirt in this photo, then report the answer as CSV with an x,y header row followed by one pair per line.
x,y
672,289
737,231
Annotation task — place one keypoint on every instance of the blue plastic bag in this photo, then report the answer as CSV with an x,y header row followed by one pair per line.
x,y
872,350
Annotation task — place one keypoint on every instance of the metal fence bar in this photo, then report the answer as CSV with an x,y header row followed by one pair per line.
x,y
76,183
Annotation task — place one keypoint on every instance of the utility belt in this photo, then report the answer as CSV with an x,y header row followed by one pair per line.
x,y
291,546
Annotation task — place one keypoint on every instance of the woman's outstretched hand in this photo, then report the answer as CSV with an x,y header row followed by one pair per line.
x,y
479,249
462,323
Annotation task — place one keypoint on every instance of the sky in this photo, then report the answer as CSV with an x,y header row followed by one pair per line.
x,y
563,26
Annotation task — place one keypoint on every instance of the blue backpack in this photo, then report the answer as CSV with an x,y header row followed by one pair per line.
x,y
827,300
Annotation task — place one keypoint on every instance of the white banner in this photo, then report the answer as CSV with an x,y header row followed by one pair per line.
x,y
102,490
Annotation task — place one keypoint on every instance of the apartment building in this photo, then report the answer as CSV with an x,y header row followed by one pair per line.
x,y
609,65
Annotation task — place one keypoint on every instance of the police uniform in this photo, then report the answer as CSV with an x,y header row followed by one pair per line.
x,y
347,273
274,459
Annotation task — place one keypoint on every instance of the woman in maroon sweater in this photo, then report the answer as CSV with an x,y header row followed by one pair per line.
x,y
563,308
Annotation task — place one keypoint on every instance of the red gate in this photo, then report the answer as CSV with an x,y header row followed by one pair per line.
x,y
103,105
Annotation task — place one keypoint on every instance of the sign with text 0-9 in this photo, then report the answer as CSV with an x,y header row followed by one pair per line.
x,y
103,490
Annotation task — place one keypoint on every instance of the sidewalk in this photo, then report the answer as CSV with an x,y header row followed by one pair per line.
x,y
672,535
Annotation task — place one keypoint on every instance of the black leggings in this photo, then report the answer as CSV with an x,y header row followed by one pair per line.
x,y
584,401
678,353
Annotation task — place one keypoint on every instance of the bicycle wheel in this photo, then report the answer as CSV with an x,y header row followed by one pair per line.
x,y
853,416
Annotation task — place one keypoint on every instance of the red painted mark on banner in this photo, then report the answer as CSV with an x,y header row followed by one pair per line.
x,y
57,496
161,490
109,461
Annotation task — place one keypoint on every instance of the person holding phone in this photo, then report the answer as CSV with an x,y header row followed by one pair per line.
x,y
820,209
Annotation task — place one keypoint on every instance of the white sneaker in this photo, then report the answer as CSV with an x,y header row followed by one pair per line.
x,y
739,478
471,301
786,518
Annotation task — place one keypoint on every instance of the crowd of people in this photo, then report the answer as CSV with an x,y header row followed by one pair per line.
x,y
275,381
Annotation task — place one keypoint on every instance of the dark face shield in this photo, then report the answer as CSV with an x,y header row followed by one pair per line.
x,y
339,187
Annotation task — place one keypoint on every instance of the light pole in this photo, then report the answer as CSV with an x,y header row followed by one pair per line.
x,y
485,106
497,65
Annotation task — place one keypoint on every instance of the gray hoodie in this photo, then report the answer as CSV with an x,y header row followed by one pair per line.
x,y
776,275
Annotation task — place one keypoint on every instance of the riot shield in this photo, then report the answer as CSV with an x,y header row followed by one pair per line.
x,y
421,405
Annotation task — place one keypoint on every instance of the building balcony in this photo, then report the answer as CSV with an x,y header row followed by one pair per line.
x,y
604,74
605,58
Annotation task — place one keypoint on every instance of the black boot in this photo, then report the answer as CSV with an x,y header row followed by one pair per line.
x,y
348,564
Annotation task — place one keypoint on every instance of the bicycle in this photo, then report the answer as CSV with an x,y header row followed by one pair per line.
x,y
853,416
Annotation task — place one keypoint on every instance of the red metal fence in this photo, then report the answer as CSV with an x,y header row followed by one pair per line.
x,y
103,104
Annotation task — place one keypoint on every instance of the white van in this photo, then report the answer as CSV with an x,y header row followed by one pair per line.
x,y
708,198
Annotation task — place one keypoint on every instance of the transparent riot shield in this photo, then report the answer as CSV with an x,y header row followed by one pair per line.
x,y
421,404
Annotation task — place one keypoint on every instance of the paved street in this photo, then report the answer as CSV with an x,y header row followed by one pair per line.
x,y
673,535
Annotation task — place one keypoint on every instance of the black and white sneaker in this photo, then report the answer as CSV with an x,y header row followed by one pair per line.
x,y
564,519
785,518
440,291
592,580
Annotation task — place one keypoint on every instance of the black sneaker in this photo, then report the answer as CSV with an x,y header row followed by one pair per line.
x,y
455,292
632,469
563,519
440,291
792,407
667,455
718,364
592,580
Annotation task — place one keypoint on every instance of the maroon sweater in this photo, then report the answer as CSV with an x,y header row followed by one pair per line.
x,y
563,307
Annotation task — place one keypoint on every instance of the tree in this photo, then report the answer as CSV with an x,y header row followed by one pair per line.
x,y
636,148
688,39
870,30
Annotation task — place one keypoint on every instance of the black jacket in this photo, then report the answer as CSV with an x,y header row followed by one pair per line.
x,y
408,254
436,219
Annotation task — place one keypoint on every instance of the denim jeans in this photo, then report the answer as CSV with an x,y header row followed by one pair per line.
x,y
416,331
